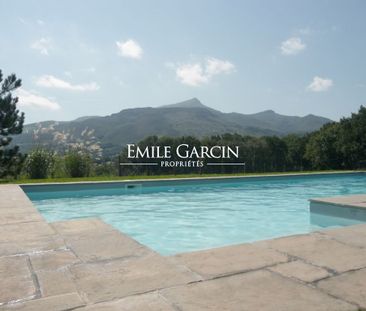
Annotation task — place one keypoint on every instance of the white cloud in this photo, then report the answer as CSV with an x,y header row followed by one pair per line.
x,y
50,81
196,74
129,48
43,45
191,74
40,22
320,84
292,46
216,66
30,99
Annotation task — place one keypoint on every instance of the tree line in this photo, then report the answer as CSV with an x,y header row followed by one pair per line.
x,y
336,146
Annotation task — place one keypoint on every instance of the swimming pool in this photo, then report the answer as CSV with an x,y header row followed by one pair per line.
x,y
179,216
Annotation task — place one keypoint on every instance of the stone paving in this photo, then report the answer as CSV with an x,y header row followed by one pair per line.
x,y
87,265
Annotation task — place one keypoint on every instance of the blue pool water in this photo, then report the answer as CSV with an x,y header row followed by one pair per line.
x,y
174,217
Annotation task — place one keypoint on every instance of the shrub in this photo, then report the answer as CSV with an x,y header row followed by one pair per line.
x,y
40,163
108,168
77,164
59,167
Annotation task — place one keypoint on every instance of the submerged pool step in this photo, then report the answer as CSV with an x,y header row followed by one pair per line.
x,y
133,188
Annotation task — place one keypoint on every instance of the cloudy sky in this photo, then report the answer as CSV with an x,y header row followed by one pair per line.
x,y
81,58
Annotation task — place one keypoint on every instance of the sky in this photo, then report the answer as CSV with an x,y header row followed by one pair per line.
x,y
78,58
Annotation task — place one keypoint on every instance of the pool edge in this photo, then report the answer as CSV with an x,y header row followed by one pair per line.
x,y
208,178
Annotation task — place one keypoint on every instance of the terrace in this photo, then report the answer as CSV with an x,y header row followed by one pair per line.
x,y
86,264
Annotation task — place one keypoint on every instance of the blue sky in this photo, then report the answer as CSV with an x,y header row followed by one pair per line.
x,y
81,58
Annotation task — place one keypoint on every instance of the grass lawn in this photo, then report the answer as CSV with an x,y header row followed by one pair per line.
x,y
133,177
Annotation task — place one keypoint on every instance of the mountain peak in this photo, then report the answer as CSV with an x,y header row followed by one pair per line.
x,y
190,103
265,114
269,111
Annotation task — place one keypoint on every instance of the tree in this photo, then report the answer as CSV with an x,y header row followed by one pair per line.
x,y
40,163
351,142
77,164
322,150
277,149
296,145
11,123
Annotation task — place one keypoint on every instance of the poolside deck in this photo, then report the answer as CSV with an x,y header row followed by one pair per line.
x,y
87,265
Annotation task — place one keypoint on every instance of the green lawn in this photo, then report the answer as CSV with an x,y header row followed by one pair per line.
x,y
110,178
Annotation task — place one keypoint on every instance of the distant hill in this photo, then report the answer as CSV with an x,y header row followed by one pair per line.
x,y
84,118
108,135
191,103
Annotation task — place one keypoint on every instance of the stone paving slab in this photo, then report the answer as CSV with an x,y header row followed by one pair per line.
x,y
252,291
15,198
352,235
55,303
16,288
120,278
300,270
18,215
93,240
105,246
15,201
321,251
11,266
228,260
15,279
56,282
350,286
81,227
53,260
25,246
145,302
25,231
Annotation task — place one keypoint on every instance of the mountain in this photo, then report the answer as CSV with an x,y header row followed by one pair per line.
x,y
190,103
84,118
109,134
